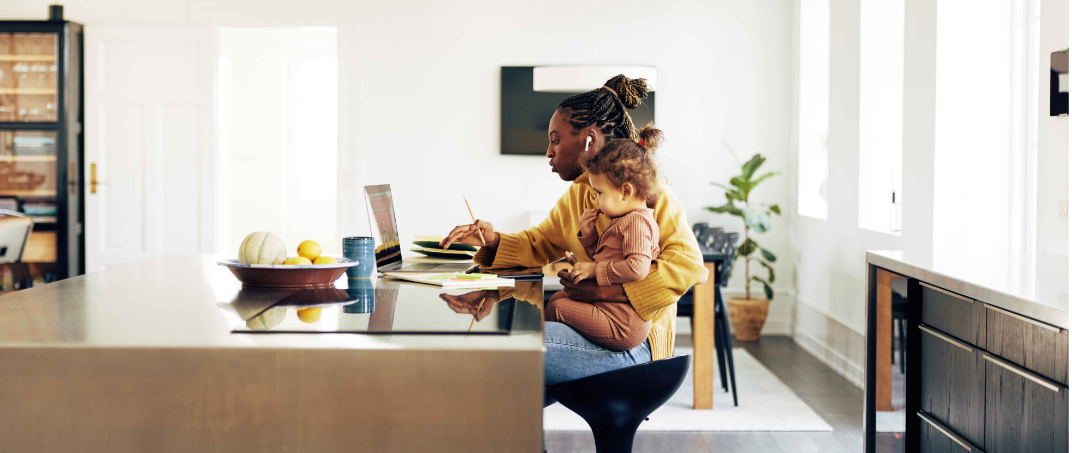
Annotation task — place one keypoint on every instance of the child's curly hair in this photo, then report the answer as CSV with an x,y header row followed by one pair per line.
x,y
623,160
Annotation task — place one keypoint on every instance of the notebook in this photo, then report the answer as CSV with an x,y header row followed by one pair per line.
x,y
453,279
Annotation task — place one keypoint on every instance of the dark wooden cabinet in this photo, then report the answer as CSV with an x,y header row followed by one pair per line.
x,y
938,438
1024,412
1036,346
985,379
954,314
41,141
952,384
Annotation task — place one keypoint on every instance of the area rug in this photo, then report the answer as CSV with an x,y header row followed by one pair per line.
x,y
766,404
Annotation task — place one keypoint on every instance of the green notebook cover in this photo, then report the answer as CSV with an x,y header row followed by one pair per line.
x,y
454,246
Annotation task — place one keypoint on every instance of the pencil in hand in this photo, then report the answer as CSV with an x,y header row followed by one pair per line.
x,y
482,241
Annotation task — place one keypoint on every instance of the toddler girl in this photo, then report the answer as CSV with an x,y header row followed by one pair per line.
x,y
624,178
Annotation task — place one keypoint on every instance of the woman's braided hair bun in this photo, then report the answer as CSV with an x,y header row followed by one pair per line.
x,y
605,107
629,91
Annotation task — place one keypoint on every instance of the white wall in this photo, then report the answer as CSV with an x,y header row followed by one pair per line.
x,y
419,95
1053,149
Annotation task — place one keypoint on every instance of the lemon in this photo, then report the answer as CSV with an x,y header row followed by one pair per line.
x,y
309,249
309,315
324,260
298,260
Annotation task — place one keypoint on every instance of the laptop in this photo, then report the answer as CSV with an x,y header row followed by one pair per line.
x,y
385,232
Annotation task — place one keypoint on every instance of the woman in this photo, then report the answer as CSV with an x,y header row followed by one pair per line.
x,y
582,123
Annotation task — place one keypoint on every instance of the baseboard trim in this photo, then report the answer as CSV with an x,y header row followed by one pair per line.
x,y
853,372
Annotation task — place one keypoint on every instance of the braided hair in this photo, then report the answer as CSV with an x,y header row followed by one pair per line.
x,y
605,107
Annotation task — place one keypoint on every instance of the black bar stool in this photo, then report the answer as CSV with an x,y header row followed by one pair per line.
x,y
616,402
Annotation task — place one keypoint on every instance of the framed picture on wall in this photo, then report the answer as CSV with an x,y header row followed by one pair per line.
x,y
530,95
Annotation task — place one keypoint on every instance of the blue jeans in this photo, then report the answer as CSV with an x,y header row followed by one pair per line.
x,y
571,356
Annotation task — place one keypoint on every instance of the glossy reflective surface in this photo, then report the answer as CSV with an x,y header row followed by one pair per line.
x,y
189,301
387,307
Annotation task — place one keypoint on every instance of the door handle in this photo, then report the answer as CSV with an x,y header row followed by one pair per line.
x,y
948,432
72,179
93,178
1036,378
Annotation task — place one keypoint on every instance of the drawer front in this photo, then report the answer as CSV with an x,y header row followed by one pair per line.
x,y
1039,347
954,314
952,379
937,438
1024,411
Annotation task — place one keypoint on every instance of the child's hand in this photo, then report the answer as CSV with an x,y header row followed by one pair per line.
x,y
583,271
588,221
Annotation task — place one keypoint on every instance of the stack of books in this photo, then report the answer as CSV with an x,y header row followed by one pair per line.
x,y
29,145
41,211
429,246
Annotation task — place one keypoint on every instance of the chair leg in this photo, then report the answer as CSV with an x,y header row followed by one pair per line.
x,y
723,319
615,436
720,352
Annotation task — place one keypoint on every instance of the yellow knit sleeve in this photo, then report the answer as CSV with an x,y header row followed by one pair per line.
x,y
678,267
534,247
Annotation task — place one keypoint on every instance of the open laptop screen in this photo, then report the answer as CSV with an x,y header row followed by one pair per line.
x,y
384,227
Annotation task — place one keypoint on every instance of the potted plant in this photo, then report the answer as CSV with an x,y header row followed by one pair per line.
x,y
748,314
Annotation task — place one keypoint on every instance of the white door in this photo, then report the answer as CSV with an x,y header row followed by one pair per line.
x,y
149,136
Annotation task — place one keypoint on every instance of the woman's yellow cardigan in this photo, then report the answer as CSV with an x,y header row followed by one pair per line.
x,y
678,267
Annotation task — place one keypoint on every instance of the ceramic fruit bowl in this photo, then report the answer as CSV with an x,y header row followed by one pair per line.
x,y
288,275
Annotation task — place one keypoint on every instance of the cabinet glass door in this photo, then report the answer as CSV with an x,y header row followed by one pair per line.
x,y
28,77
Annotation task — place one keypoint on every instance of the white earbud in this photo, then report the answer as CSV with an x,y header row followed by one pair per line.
x,y
587,140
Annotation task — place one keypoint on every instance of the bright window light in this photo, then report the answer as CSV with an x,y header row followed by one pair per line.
x,y
881,113
814,115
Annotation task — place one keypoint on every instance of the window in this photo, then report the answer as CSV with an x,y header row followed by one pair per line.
x,y
814,118
881,113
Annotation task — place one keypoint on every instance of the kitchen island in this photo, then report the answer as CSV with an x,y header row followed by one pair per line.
x,y
159,356
987,350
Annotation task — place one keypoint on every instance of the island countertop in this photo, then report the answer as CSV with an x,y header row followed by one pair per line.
x,y
1034,285
188,301
152,356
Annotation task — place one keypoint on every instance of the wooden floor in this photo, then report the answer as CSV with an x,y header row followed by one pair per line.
x,y
834,398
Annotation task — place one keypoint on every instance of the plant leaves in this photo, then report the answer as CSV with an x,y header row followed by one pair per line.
x,y
756,220
755,182
723,187
747,248
744,186
749,168
770,270
768,255
733,195
766,288
775,209
727,208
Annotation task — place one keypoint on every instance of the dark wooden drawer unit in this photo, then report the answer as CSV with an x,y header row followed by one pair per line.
x,y
952,384
938,438
956,315
1025,412
1031,344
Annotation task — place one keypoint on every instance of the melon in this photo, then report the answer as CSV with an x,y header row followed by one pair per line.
x,y
262,247
270,318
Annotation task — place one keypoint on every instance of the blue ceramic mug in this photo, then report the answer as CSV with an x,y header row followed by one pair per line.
x,y
363,250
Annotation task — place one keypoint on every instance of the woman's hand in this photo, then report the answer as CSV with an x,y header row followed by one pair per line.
x,y
477,303
468,234
588,221
583,271
590,291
